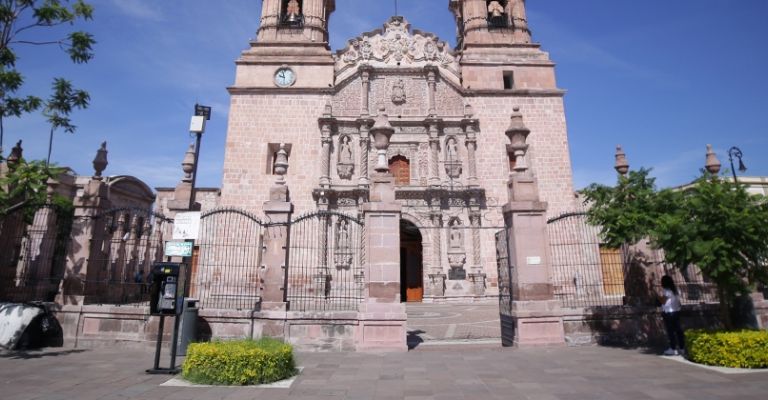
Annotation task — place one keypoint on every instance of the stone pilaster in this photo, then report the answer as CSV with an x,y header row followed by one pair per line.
x,y
434,152
365,79
365,145
469,125
476,276
326,124
521,33
431,72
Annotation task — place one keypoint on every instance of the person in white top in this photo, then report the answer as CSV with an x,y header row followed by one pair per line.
x,y
670,313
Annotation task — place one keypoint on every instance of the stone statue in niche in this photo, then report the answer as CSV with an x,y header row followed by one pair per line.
x,y
456,255
398,92
452,162
495,9
346,163
343,253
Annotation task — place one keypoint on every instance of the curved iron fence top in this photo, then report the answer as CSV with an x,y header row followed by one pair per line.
x,y
328,213
135,211
232,210
566,215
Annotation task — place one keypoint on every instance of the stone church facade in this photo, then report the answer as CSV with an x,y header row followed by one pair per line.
x,y
449,108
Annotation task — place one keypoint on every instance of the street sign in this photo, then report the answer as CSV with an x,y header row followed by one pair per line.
x,y
186,226
178,249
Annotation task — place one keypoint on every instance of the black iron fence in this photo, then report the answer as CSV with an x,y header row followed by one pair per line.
x,y
226,260
325,262
505,273
586,273
33,244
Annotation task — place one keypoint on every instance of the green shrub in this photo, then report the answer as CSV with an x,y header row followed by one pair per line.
x,y
240,362
742,349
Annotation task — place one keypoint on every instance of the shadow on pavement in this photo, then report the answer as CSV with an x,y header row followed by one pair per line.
x,y
27,355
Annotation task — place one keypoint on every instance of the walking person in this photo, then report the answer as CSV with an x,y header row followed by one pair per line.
x,y
670,313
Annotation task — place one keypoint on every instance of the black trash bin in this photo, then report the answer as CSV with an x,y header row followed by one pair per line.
x,y
188,331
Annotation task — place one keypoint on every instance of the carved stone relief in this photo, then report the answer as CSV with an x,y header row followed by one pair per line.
x,y
346,160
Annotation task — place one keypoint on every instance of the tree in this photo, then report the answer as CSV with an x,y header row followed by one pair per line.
x,y
713,224
20,17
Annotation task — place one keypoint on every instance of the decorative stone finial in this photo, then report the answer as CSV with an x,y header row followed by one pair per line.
x,y
16,154
468,111
622,166
281,164
328,111
100,161
518,134
188,164
712,164
382,130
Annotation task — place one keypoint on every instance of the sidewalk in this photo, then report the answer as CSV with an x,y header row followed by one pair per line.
x,y
430,372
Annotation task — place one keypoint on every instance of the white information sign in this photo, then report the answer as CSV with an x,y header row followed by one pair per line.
x,y
178,249
534,260
186,226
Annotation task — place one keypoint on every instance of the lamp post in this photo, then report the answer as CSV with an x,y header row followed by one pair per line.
x,y
736,152
197,127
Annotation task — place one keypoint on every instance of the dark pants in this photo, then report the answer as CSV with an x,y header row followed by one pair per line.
x,y
674,331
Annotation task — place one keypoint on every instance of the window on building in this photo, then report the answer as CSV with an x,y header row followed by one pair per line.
x,y
509,80
498,17
400,167
612,269
292,14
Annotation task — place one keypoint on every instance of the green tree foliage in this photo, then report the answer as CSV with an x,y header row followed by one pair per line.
x,y
713,224
19,18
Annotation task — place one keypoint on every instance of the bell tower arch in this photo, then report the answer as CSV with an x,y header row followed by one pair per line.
x,y
291,48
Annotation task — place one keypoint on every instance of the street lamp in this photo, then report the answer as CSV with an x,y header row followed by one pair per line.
x,y
736,152
197,127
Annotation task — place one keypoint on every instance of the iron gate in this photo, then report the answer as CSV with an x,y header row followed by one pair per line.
x,y
505,273
125,244
325,259
226,260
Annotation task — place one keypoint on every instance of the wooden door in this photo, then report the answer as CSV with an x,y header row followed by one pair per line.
x,y
613,271
400,167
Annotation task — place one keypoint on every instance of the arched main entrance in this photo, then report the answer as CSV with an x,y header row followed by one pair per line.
x,y
411,270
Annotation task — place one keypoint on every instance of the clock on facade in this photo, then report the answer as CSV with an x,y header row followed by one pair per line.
x,y
285,77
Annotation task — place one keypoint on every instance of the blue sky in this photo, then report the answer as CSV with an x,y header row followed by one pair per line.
x,y
663,78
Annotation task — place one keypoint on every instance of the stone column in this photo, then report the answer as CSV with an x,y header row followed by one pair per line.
x,y
365,140
535,314
431,72
477,275
382,315
326,123
434,152
365,73
436,274
469,125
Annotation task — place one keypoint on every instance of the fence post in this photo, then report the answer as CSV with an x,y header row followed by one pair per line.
x,y
535,317
382,315
86,231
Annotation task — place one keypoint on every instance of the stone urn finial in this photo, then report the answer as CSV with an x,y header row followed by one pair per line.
x,y
622,166
100,161
281,164
382,131
712,164
15,156
518,135
188,164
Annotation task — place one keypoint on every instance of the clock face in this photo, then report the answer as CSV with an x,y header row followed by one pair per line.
x,y
285,77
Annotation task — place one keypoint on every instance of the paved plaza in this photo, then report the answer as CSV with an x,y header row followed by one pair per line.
x,y
429,372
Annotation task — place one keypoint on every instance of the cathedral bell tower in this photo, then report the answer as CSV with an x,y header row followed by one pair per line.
x,y
496,50
291,49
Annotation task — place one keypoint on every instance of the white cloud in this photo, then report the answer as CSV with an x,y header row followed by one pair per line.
x,y
139,9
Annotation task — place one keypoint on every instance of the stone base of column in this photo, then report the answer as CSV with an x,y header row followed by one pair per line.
x,y
534,323
382,327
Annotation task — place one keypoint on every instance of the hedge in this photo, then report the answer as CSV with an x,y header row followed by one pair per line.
x,y
240,362
741,349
